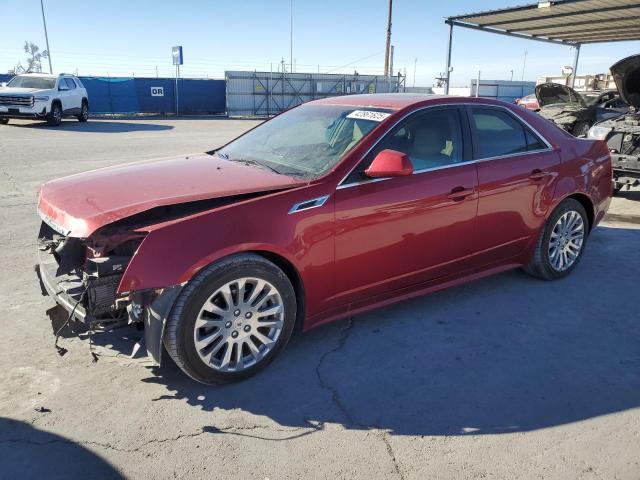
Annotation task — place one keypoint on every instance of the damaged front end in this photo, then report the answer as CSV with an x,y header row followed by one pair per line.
x,y
565,107
622,133
83,276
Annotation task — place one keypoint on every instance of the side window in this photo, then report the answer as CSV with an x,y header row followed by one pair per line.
x,y
498,133
430,140
70,83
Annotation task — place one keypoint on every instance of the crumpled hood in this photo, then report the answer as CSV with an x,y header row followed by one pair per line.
x,y
626,74
17,91
80,204
556,94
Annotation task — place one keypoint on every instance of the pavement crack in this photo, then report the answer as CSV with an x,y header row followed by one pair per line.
x,y
392,455
335,394
107,446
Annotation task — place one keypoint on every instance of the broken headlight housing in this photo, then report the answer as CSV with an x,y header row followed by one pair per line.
x,y
598,133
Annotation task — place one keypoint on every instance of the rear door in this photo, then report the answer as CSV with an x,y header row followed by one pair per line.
x,y
73,95
516,170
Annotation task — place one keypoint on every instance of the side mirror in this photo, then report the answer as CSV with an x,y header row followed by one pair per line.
x,y
62,88
390,163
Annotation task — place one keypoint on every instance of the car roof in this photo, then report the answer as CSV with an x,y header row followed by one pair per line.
x,y
395,101
400,101
43,75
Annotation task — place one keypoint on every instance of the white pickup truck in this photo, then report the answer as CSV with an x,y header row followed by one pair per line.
x,y
44,96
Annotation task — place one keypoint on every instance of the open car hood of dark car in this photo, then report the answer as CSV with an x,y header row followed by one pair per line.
x,y
556,94
626,74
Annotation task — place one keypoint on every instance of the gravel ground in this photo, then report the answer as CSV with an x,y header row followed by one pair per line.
x,y
507,377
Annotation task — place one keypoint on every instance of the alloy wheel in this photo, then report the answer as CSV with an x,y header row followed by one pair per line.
x,y
239,324
566,241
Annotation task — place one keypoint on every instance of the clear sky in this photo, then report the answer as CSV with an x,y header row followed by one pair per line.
x,y
122,37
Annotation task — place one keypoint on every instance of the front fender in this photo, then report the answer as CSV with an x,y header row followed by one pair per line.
x,y
172,253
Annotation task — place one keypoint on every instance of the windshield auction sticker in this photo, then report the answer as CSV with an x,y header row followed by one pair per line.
x,y
368,115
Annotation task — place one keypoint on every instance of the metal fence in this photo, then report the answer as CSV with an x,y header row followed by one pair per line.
x,y
504,90
262,94
153,95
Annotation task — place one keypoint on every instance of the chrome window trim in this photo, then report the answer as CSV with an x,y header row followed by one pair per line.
x,y
342,185
315,203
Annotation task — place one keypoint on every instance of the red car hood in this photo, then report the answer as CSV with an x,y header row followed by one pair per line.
x,y
80,204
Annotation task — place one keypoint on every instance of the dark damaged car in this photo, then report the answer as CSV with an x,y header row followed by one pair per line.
x,y
574,112
622,133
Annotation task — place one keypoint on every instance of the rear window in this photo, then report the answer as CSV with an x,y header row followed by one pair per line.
x,y
498,133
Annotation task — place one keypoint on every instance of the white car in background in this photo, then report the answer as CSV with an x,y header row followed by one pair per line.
x,y
44,96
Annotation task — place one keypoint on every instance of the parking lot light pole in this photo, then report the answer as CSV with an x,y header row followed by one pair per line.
x,y
46,37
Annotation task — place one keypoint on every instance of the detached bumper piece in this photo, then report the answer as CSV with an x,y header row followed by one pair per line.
x,y
66,289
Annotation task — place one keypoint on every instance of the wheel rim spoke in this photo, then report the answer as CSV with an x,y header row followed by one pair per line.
x,y
239,324
566,240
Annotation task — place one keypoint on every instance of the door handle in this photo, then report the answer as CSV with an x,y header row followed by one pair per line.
x,y
460,193
538,174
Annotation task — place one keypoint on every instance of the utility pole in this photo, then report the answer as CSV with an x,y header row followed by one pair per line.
x,y
415,63
524,64
291,35
387,51
46,37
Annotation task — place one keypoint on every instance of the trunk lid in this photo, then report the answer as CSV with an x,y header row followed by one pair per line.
x,y
626,74
80,204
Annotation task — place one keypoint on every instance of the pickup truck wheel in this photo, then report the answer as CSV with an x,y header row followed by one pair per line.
x,y
231,320
84,113
561,242
4,121
54,117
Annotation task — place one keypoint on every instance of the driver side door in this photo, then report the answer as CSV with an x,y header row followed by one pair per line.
x,y
393,233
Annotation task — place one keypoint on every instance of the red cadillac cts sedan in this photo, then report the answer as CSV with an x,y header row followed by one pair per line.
x,y
333,208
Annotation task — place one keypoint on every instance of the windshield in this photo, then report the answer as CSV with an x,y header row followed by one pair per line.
x,y
40,83
306,141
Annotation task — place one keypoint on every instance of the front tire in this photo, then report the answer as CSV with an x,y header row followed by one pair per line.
x,y
54,117
231,320
4,121
561,242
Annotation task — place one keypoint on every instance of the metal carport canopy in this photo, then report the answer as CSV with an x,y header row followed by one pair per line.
x,y
561,22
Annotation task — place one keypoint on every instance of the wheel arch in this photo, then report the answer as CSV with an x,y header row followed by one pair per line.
x,y
294,277
588,205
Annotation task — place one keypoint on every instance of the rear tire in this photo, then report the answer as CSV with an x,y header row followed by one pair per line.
x,y
54,117
84,113
219,330
4,121
561,242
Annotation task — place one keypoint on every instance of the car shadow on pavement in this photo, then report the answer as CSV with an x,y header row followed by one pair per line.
x,y
98,126
26,452
504,354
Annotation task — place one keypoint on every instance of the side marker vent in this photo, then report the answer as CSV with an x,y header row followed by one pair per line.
x,y
308,204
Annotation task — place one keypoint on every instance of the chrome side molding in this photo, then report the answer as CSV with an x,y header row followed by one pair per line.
x,y
308,204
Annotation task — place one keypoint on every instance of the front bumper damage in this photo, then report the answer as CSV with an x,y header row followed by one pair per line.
x,y
88,292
